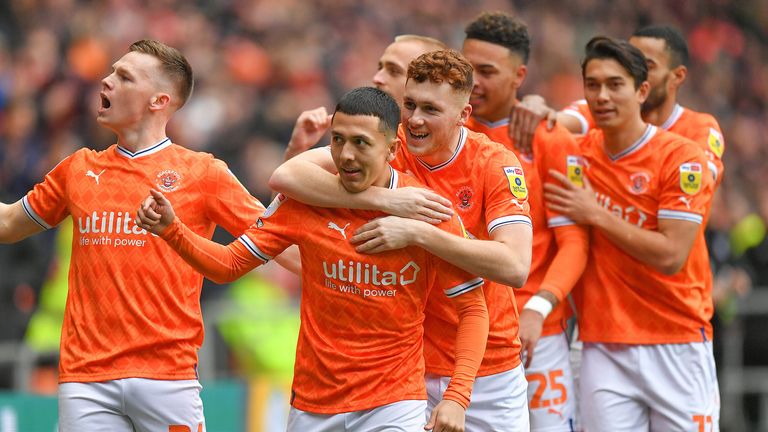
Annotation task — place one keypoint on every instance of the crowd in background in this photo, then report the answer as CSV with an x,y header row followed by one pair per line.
x,y
259,63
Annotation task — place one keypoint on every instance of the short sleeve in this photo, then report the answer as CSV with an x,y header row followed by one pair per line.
x,y
229,204
505,190
275,230
686,185
557,150
451,279
47,203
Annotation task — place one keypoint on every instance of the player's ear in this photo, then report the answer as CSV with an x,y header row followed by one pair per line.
x,y
464,114
678,75
392,149
643,91
520,74
159,101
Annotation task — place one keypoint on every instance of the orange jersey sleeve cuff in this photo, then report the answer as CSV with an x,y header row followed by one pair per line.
x,y
569,262
471,337
218,263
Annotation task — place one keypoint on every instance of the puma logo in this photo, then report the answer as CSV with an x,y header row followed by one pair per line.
x,y
333,226
96,176
517,203
554,411
686,201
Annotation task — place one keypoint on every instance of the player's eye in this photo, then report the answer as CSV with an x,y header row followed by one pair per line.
x,y
409,105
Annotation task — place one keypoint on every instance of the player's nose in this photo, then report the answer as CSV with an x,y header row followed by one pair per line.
x,y
378,78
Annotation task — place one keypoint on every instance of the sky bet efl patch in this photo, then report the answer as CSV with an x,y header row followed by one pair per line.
x,y
690,178
575,170
715,141
516,182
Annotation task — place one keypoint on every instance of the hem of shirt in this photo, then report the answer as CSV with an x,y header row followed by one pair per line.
x,y
659,340
552,330
484,371
341,409
123,375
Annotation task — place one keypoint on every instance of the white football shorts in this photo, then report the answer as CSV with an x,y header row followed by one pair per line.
x,y
131,405
402,416
499,402
664,387
551,395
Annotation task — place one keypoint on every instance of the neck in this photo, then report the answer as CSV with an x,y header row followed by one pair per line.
x,y
139,138
501,114
620,138
446,152
660,114
385,178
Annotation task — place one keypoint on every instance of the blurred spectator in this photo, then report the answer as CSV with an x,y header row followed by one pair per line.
x,y
259,63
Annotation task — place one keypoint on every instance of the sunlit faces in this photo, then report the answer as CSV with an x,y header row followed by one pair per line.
x,y
660,76
361,151
498,74
130,89
611,95
393,67
432,116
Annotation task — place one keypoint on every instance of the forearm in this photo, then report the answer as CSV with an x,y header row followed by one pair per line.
x,y
15,225
290,260
653,248
568,263
471,337
489,259
218,263
311,184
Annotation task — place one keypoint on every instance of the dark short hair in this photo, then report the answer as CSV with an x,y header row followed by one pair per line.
x,y
629,57
371,101
174,65
501,29
674,42
443,66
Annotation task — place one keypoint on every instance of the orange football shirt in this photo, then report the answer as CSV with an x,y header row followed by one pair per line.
x,y
661,176
698,127
360,343
133,308
557,150
487,186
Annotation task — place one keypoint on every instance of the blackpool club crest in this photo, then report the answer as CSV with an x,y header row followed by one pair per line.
x,y
168,180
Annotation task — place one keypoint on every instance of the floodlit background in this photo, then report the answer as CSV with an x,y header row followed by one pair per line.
x,y
258,64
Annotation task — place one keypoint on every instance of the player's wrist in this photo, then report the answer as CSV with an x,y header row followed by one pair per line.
x,y
455,397
539,304
171,229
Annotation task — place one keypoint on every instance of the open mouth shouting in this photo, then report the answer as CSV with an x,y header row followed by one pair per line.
x,y
105,102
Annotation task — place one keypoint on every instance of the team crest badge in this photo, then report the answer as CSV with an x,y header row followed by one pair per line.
x,y
168,180
690,178
715,141
639,182
273,206
464,195
516,182
575,170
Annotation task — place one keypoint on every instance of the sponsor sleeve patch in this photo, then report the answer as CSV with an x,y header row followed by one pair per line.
x,y
575,170
690,178
715,141
273,206
516,182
